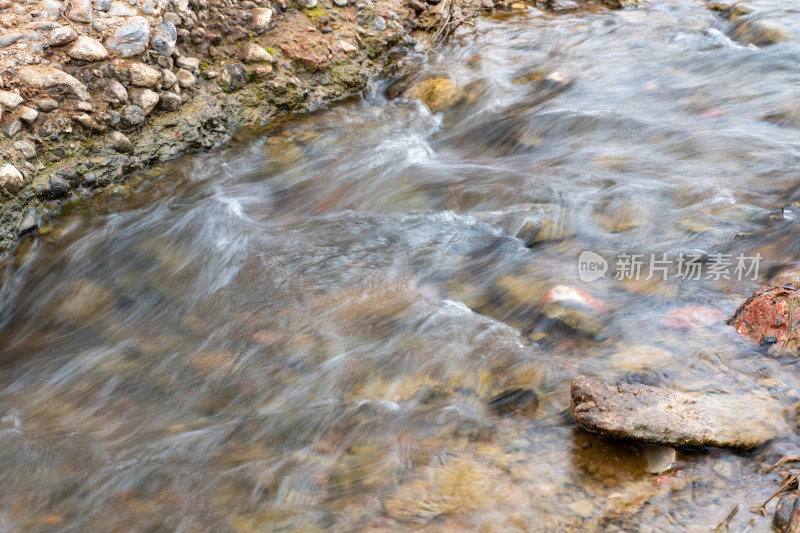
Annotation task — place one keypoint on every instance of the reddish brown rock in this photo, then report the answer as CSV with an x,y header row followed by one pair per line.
x,y
765,317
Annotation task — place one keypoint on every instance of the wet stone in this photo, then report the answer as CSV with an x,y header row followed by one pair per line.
x,y
439,94
31,219
169,101
783,511
119,142
661,416
57,187
516,403
760,32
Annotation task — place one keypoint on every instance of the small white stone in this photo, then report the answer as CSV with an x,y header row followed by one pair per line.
x,y
10,100
87,49
28,114
11,179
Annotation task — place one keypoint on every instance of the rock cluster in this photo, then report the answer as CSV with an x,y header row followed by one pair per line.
x,y
75,70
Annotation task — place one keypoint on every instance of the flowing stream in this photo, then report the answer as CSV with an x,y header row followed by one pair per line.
x,y
303,329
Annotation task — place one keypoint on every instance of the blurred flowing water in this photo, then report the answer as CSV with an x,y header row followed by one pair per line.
x,y
303,329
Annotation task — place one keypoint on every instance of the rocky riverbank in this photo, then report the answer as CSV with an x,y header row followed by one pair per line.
x,y
92,90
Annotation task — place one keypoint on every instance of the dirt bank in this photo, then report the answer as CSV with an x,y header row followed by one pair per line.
x,y
92,90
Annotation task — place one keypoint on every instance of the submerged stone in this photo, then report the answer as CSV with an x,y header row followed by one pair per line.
x,y
661,416
439,94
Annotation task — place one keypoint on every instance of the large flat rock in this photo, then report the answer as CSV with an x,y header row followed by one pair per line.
x,y
661,416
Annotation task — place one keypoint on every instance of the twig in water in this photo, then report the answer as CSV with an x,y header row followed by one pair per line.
x,y
723,526
763,507
792,305
780,463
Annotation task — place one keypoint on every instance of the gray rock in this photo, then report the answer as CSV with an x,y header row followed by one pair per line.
x,y
25,148
81,11
10,179
114,117
115,93
189,63
661,416
10,100
307,4
185,78
47,77
47,105
85,107
144,75
262,17
378,24
132,115
87,49
10,129
340,3
130,39
10,38
233,77
27,114
144,98
57,187
165,35
119,142
62,36
168,78
31,219
169,101
102,5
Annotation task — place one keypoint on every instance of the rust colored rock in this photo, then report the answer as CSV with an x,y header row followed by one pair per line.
x,y
661,416
764,317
